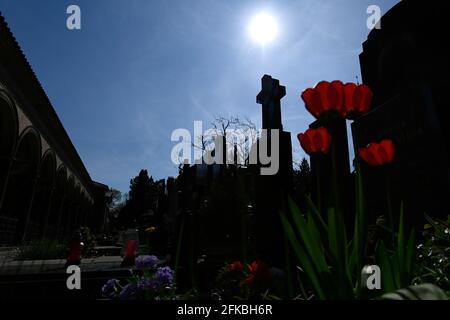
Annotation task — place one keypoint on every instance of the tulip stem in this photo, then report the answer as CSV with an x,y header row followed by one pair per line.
x,y
389,206
318,191
287,253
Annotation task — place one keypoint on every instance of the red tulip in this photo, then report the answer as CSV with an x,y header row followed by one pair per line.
x,y
349,100
315,141
378,154
358,99
258,275
324,97
235,266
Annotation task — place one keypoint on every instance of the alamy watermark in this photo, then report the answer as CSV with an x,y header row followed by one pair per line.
x,y
73,21
374,20
233,146
371,277
74,280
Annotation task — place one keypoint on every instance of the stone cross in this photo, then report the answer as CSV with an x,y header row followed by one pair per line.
x,y
270,97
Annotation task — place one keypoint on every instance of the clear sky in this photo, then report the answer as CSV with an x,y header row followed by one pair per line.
x,y
138,69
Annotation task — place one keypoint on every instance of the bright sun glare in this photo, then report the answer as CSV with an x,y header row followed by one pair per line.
x,y
263,28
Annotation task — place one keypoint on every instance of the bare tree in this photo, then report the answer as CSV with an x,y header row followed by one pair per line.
x,y
237,133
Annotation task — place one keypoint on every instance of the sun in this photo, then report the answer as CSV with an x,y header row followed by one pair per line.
x,y
263,28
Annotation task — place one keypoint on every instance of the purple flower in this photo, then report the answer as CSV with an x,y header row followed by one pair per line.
x,y
164,277
146,262
109,290
148,285
130,292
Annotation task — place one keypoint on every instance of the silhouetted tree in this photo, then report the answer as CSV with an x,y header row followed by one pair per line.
x,y
143,190
115,205
115,198
223,127
302,183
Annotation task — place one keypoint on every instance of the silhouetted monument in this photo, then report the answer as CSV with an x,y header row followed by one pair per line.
x,y
407,65
271,191
270,99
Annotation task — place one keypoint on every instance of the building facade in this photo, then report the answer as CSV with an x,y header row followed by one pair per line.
x,y
45,189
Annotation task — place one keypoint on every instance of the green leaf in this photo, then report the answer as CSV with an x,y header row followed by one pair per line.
x,y
333,240
313,228
317,216
410,253
425,291
360,233
302,257
314,248
382,259
401,249
439,229
273,297
301,285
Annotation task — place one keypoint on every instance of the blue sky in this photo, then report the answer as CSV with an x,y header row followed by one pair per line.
x,y
138,69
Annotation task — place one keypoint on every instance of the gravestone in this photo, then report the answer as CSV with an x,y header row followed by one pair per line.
x,y
270,99
271,191
407,65
171,215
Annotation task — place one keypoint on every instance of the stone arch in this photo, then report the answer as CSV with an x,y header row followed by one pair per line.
x,y
43,195
57,203
83,211
85,203
20,187
79,221
66,209
74,210
8,139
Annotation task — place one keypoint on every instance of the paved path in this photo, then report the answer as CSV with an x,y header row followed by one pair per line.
x,y
13,267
